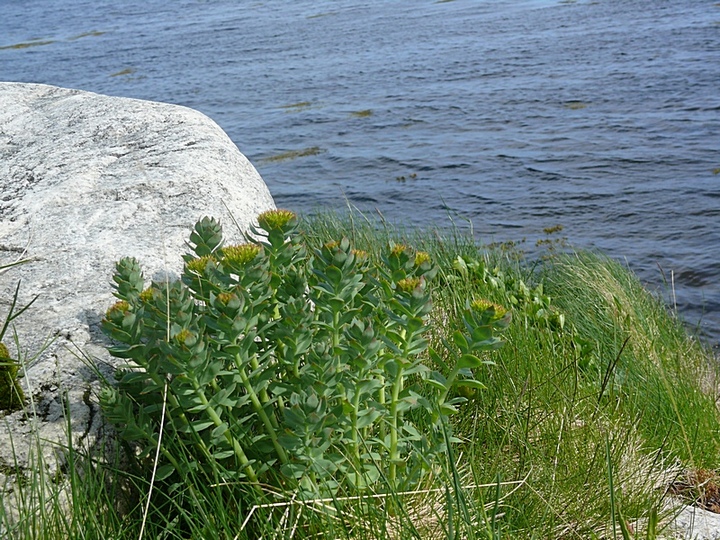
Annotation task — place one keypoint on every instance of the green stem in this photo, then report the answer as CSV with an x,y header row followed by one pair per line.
x,y
394,456
449,383
244,461
157,379
356,445
395,415
336,330
257,405
264,397
382,401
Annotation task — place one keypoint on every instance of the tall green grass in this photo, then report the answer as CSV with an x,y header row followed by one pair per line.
x,y
597,402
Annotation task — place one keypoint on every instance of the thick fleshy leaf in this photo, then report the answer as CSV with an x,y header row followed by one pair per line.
x,y
163,472
219,431
469,361
223,455
438,359
448,409
197,426
460,340
481,333
437,385
470,383
367,418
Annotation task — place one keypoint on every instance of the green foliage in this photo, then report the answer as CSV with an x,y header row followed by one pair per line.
x,y
532,304
12,396
597,403
281,365
11,393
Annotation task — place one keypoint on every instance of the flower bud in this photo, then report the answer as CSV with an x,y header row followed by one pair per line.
x,y
398,249
276,219
118,309
408,285
197,266
242,254
421,258
482,306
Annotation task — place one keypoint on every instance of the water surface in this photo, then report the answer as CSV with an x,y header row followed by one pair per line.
x,y
600,116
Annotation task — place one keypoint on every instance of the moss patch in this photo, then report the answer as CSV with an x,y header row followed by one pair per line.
x,y
11,393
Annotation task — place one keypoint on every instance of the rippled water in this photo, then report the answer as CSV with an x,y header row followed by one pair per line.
x,y
600,116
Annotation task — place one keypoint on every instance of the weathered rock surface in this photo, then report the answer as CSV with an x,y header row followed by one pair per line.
x,y
694,524
85,180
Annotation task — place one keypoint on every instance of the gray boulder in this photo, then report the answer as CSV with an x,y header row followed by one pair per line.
x,y
85,180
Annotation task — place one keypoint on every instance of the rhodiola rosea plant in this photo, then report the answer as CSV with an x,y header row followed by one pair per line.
x,y
272,364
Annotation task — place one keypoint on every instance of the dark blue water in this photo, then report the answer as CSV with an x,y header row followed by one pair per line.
x,y
602,116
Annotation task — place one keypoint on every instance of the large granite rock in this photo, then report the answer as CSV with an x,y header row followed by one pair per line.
x,y
85,180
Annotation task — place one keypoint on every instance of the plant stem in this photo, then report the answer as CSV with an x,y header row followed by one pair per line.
x,y
244,461
356,406
264,397
382,400
448,383
336,330
397,386
259,409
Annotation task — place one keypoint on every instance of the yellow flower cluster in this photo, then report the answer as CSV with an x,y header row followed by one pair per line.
x,y
241,254
276,219
484,305
197,266
409,284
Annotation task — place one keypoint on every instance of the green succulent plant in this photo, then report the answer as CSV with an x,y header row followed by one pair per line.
x,y
277,365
